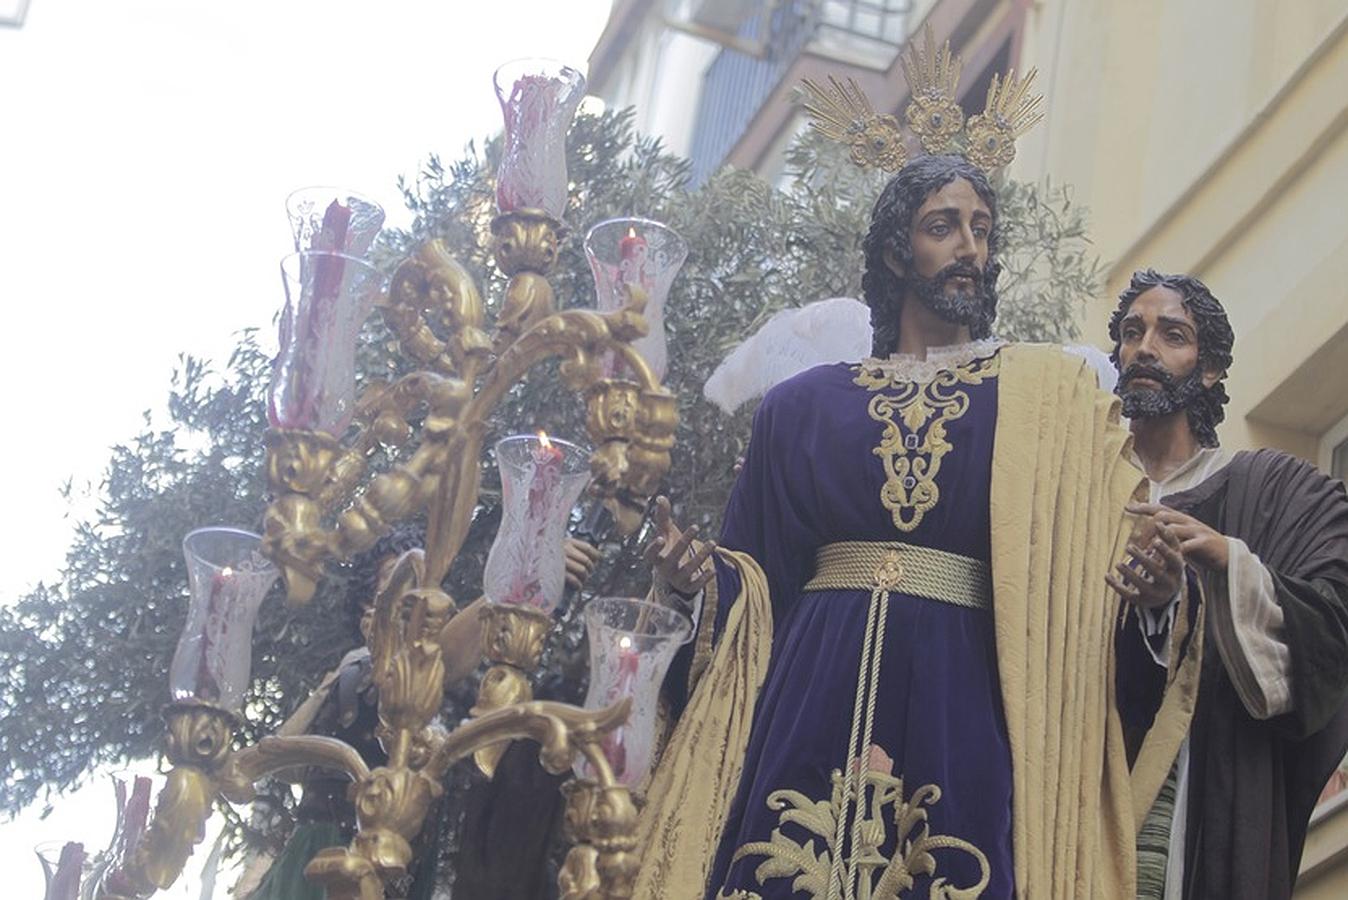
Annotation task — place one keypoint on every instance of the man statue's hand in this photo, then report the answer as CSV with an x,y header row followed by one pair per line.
x,y
581,558
1153,573
1199,543
677,559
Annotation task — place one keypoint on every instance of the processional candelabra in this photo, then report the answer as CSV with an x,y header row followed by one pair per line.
x,y
327,506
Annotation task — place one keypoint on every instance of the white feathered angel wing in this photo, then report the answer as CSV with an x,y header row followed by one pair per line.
x,y
793,340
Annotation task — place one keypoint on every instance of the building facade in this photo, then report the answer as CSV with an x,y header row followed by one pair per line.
x,y
1205,136
716,79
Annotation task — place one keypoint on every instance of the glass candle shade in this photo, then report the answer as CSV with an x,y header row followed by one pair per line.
x,y
313,382
643,254
133,796
228,576
65,868
541,480
333,219
538,99
632,643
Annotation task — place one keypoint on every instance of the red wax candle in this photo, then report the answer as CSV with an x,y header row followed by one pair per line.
x,y
632,257
614,744
631,244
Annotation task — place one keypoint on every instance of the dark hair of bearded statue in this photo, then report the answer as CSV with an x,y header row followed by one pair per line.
x,y
1202,404
891,223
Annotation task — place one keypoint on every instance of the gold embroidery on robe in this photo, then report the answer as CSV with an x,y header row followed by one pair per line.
x,y
880,878
912,451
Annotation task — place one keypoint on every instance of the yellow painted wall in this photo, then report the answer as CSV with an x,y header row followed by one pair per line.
x,y
1211,136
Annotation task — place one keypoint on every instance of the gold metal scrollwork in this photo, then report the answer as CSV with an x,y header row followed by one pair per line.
x,y
321,512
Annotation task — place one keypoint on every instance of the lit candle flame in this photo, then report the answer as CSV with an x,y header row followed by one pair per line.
x,y
543,439
226,572
625,642
631,231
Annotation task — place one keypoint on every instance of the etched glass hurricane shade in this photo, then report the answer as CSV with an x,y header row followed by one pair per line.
x,y
313,382
67,870
538,99
228,576
637,253
541,480
333,219
632,643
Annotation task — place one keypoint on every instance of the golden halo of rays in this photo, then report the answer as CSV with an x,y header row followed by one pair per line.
x,y
843,113
1011,111
933,77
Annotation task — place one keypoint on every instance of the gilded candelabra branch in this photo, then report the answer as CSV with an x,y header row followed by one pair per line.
x,y
320,512
198,738
312,474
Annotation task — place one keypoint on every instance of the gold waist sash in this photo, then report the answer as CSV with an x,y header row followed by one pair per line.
x,y
902,568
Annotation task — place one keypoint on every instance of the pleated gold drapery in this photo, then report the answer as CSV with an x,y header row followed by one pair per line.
x,y
694,784
1061,477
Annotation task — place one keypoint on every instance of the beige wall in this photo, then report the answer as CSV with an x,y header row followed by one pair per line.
x,y
1211,136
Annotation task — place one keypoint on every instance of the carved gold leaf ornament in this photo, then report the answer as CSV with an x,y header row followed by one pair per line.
x,y
842,112
884,803
933,113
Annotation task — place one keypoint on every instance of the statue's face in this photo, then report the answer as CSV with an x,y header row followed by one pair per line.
x,y
949,235
1158,355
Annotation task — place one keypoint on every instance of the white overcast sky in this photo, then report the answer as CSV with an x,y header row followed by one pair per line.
x,y
146,148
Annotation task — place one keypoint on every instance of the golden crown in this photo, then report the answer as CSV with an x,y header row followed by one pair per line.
x,y
842,112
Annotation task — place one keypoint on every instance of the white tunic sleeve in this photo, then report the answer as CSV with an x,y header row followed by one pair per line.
x,y
1251,638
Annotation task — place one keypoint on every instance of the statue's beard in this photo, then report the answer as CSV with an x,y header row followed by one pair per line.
x,y
966,306
1173,395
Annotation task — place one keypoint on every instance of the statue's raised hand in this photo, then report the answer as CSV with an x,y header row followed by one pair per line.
x,y
678,560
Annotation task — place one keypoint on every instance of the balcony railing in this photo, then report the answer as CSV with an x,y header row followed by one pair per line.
x,y
736,84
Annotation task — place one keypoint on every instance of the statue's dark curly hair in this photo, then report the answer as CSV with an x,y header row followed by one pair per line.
x,y
1216,341
891,226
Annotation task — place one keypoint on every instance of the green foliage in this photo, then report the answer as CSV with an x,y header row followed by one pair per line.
x,y
85,661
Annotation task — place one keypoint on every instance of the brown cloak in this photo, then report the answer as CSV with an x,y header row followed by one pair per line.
x,y
1253,784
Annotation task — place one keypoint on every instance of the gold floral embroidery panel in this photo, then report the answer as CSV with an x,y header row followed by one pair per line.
x,y
889,812
913,442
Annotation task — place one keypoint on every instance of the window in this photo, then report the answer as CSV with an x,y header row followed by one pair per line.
x,y
864,32
1334,450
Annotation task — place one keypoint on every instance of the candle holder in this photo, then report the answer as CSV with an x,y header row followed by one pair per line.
x,y
228,578
333,219
632,643
328,297
634,262
67,870
541,480
525,576
538,99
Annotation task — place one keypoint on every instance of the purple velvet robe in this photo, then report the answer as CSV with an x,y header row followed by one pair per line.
x,y
811,477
